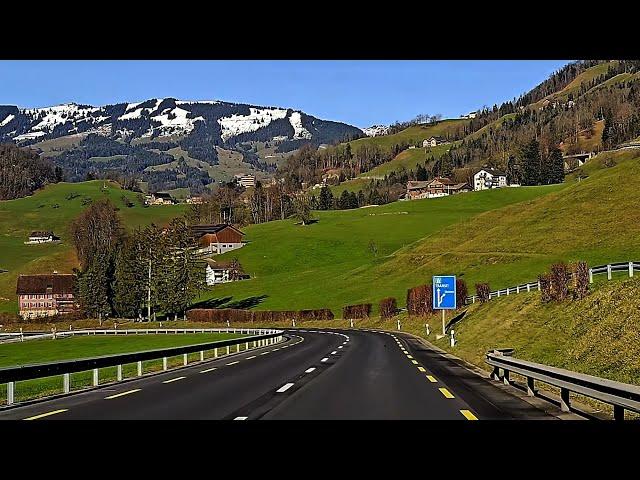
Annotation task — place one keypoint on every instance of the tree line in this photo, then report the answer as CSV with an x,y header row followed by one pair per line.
x,y
134,274
23,171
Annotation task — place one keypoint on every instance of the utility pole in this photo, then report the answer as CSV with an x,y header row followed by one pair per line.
x,y
149,290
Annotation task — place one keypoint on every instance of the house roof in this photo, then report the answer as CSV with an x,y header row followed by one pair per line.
x,y
460,186
163,195
443,180
492,171
221,265
43,233
59,283
213,228
417,184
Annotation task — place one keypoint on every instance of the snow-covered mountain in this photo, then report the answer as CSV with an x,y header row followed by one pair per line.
x,y
375,130
222,122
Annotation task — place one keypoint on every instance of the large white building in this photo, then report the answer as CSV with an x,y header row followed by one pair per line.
x,y
246,179
487,178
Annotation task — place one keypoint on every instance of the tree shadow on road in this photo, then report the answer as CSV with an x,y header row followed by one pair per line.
x,y
225,302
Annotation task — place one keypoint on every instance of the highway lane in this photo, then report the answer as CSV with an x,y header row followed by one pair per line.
x,y
210,390
317,374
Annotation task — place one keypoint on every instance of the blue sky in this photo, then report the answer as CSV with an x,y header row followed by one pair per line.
x,y
361,93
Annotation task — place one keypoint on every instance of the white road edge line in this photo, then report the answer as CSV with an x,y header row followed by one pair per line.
x,y
309,370
285,387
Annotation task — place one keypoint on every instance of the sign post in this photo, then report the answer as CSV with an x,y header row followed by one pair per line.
x,y
444,295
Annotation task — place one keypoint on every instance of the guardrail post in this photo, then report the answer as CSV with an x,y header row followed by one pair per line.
x,y
590,276
140,368
505,377
119,373
528,287
185,359
507,290
215,352
565,401
246,345
164,363
66,383
518,289
618,413
498,292
609,272
228,350
531,390
630,269
11,388
96,377
538,285
202,355
495,375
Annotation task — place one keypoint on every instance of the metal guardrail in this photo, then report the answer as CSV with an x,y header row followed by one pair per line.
x,y
629,267
622,396
11,375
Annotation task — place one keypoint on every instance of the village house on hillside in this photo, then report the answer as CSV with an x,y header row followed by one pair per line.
x,y
45,295
195,200
433,142
42,237
245,179
223,272
160,198
487,178
218,238
437,187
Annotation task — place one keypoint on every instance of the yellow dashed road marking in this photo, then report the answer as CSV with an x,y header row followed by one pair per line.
x,y
414,362
431,378
468,415
122,394
446,393
42,415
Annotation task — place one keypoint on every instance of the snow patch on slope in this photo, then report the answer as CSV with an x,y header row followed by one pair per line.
x,y
257,118
296,122
376,130
7,120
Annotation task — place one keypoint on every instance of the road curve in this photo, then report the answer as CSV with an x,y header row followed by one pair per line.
x,y
315,374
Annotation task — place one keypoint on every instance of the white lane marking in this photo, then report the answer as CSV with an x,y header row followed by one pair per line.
x,y
340,346
241,418
209,370
334,352
264,353
233,363
309,370
174,379
249,358
324,359
122,394
284,388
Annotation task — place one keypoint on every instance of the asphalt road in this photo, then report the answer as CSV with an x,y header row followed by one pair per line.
x,y
316,374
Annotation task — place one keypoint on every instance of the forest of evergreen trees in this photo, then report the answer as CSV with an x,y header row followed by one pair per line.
x,y
22,171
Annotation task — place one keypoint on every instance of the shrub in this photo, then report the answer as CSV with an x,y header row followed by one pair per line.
x,y
233,315
461,292
420,300
545,287
482,292
362,310
580,280
559,281
388,307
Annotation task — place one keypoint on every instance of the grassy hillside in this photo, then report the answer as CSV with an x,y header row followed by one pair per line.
x,y
596,220
49,209
341,259
411,135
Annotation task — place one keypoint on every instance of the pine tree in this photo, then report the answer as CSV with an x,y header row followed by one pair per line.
x,y
555,171
326,199
421,173
361,200
343,201
531,163
129,292
94,289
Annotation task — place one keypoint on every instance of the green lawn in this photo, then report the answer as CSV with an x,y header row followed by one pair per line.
x,y
342,258
49,209
48,350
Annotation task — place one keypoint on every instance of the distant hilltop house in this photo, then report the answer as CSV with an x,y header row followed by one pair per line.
x,y
223,272
42,237
433,142
245,179
218,238
160,198
437,187
46,295
470,115
487,178
195,200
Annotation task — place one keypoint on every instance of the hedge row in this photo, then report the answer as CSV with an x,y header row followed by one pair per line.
x,y
233,315
356,311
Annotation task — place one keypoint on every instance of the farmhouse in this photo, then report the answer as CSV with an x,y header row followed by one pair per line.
x,y
195,200
42,237
218,238
223,272
438,187
487,178
160,198
45,295
433,141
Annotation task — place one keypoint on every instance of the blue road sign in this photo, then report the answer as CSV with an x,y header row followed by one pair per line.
x,y
444,292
